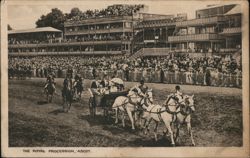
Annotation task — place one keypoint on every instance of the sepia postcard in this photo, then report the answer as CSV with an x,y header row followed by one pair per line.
x,y
134,78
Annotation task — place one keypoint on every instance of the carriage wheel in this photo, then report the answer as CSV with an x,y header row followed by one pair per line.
x,y
91,106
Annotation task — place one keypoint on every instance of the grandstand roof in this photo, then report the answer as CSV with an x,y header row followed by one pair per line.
x,y
234,10
40,29
216,6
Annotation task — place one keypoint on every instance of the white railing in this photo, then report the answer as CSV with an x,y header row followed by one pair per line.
x,y
193,37
111,30
200,21
155,51
232,30
64,53
109,19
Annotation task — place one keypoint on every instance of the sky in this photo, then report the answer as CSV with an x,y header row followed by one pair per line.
x,y
24,15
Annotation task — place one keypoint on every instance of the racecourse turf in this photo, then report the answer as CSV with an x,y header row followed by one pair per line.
x,y
217,121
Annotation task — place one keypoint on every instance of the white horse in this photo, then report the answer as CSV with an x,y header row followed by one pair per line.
x,y
183,115
169,113
129,104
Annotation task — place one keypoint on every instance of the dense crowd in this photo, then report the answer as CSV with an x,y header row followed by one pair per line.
x,y
98,37
37,38
53,39
114,10
121,66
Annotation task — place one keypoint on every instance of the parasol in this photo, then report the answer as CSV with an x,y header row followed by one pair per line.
x,y
117,80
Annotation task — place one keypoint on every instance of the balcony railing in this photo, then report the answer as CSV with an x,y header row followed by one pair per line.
x,y
85,32
155,51
152,24
233,30
68,43
229,50
202,21
65,53
194,37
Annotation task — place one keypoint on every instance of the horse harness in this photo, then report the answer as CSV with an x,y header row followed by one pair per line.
x,y
174,114
129,100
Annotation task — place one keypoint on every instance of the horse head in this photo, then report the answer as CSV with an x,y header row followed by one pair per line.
x,y
135,95
171,100
131,93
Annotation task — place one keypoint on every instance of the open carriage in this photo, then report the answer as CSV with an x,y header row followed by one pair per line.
x,y
104,101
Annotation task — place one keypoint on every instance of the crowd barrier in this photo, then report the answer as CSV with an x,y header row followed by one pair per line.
x,y
188,78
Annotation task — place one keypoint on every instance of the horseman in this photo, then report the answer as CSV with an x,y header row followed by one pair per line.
x,y
78,80
78,85
50,80
177,96
140,88
70,74
66,85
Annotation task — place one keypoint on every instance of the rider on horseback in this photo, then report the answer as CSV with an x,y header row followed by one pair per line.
x,y
50,80
178,96
140,88
66,85
78,85
78,80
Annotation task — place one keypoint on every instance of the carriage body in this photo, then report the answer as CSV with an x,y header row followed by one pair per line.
x,y
104,101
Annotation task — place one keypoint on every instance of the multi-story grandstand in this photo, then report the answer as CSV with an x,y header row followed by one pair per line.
x,y
30,42
216,29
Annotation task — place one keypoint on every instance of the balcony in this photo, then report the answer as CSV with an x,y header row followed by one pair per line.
x,y
233,30
98,20
197,22
93,42
155,23
22,45
111,30
194,37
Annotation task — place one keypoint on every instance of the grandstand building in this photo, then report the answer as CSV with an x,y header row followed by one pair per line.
x,y
216,29
30,42
109,35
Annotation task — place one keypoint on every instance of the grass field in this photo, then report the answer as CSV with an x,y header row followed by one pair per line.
x,y
217,121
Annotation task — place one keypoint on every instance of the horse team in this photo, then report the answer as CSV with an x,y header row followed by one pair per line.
x,y
138,105
173,113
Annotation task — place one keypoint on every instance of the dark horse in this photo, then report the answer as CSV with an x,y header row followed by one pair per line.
x,y
67,95
50,92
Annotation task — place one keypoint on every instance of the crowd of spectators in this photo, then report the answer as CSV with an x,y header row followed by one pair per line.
x,y
37,38
97,37
53,39
114,10
176,65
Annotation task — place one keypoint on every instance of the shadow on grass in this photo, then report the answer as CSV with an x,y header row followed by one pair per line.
x,y
96,120
57,111
42,102
150,142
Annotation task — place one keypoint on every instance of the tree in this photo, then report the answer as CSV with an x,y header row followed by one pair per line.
x,y
75,12
54,19
9,27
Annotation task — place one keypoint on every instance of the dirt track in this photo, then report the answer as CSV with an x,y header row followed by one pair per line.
x,y
32,122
